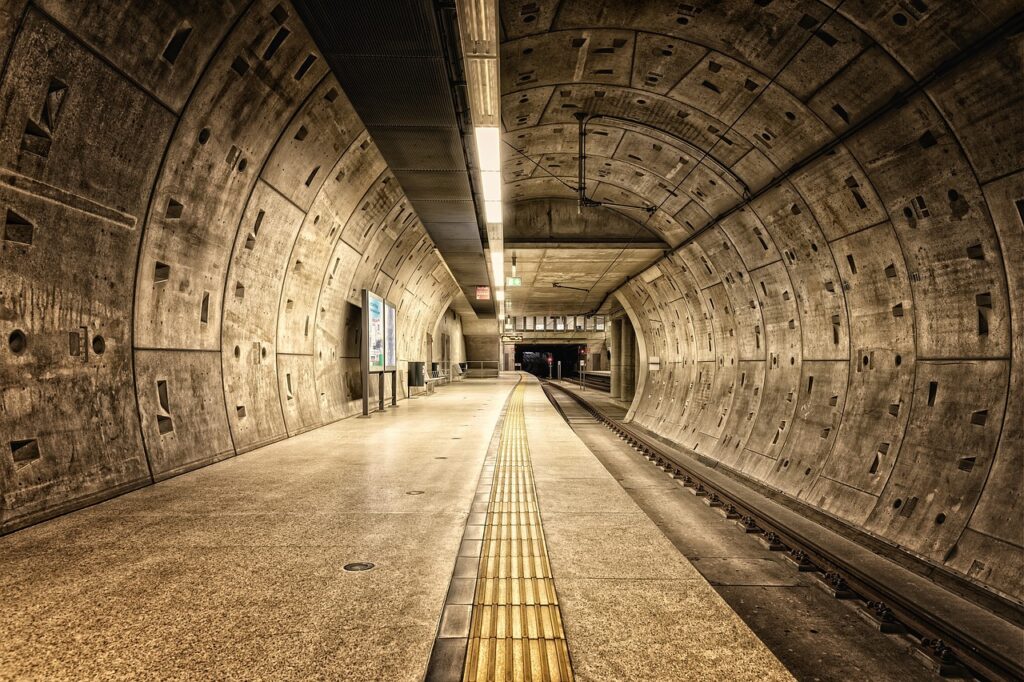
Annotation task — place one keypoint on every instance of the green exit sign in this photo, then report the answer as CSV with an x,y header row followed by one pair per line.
x,y
513,281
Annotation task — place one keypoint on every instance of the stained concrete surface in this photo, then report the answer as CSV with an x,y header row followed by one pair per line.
x,y
235,570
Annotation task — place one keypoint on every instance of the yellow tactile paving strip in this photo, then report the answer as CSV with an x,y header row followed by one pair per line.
x,y
516,628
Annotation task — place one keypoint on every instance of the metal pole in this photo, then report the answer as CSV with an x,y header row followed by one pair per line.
x,y
380,391
364,359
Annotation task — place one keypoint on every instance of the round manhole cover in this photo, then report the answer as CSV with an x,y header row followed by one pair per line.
x,y
415,492
358,566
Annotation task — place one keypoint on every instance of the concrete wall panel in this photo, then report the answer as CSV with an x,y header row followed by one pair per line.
x,y
946,455
161,45
815,426
71,219
181,403
300,401
249,334
982,104
839,195
309,148
948,240
225,133
809,264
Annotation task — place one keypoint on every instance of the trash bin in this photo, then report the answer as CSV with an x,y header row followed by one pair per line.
x,y
416,377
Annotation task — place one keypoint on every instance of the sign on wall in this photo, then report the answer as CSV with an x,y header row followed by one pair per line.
x,y
379,351
373,321
390,337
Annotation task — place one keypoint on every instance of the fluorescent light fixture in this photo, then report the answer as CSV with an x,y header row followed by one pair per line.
x,y
497,267
478,30
492,211
488,148
492,185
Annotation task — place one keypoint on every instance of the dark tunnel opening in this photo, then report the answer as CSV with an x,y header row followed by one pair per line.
x,y
565,359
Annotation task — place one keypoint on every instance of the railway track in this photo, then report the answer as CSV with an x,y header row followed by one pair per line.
x,y
958,641
599,382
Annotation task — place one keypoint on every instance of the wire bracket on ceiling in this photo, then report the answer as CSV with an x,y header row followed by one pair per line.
x,y
559,285
583,119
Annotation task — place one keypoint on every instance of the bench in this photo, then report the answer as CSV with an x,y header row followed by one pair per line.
x,y
439,377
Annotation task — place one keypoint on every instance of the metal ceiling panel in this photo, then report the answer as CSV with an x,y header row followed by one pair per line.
x,y
436,211
422,84
428,185
452,230
421,148
393,60
382,27
459,245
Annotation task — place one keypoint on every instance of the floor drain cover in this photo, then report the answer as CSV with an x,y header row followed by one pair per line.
x,y
415,492
358,566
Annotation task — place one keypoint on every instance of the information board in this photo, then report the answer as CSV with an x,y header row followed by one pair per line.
x,y
391,337
373,317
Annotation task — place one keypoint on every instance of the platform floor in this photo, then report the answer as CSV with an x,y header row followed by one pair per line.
x,y
236,570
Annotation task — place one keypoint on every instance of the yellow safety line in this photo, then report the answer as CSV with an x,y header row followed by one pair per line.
x,y
516,629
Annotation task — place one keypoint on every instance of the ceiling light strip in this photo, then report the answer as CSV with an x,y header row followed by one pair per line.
x,y
478,29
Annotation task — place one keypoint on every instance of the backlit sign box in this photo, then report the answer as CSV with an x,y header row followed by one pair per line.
x,y
373,319
483,293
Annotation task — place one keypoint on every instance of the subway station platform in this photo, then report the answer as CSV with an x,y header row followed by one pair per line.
x,y
243,569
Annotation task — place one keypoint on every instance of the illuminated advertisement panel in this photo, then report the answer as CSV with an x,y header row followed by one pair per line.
x,y
373,318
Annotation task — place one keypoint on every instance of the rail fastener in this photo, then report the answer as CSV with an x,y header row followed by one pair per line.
x,y
881,616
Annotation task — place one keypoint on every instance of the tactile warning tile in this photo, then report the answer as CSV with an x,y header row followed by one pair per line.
x,y
516,628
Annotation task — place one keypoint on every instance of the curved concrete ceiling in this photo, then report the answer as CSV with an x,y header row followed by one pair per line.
x,y
705,105
842,182
191,206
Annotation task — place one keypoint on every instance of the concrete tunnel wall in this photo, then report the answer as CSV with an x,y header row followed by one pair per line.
x,y
840,317
852,337
191,209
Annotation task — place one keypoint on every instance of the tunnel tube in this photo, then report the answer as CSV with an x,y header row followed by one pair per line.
x,y
839,318
191,209
191,206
